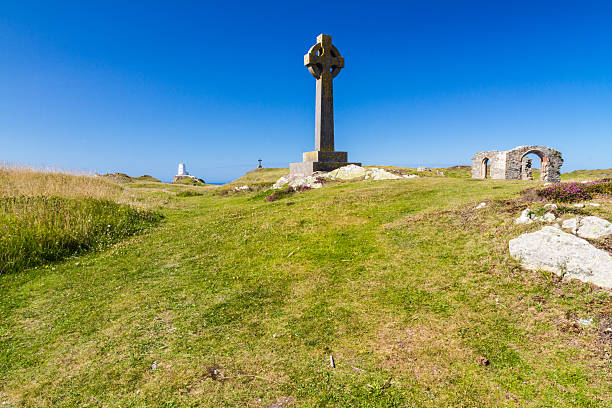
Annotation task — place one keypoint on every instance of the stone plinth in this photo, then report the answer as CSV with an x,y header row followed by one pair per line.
x,y
319,161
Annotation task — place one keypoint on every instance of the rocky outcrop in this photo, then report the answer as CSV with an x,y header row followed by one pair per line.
x,y
552,249
351,172
187,179
298,181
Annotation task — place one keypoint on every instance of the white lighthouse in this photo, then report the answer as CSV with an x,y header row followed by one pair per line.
x,y
182,170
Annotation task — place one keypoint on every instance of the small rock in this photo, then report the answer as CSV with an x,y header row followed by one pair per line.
x,y
410,176
153,366
242,188
585,322
524,218
594,204
481,205
578,205
551,206
571,224
549,217
482,360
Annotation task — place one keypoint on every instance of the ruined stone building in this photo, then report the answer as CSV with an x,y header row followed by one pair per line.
x,y
514,165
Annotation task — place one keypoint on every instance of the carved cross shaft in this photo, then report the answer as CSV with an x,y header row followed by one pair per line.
x,y
324,63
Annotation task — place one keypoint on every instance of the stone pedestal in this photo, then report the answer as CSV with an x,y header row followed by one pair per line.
x,y
319,161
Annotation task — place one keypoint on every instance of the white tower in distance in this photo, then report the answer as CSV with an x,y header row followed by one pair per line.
x,y
182,170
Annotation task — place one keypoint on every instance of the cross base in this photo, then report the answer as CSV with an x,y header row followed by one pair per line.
x,y
319,161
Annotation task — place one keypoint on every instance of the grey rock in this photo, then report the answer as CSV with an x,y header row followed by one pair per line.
x,y
564,254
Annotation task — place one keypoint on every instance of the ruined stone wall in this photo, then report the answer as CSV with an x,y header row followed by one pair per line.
x,y
497,164
508,165
551,162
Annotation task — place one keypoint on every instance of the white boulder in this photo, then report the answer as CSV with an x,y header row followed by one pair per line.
x,y
306,181
298,181
350,172
588,227
281,182
380,174
552,249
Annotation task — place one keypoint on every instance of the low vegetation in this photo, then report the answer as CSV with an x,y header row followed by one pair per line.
x,y
238,301
571,192
46,216
39,230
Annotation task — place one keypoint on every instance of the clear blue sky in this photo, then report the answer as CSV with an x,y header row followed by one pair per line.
x,y
138,87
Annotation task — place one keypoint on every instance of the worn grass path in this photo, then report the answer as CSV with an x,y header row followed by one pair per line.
x,y
234,301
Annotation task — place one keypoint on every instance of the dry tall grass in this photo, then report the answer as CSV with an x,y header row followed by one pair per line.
x,y
26,181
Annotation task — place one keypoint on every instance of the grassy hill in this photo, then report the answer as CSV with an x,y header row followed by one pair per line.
x,y
231,300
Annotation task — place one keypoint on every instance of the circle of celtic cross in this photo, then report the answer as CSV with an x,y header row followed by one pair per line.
x,y
323,57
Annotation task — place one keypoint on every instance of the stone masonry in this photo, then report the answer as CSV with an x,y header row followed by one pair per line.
x,y
512,164
324,62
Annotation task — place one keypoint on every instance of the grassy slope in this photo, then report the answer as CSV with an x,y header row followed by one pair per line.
x,y
235,301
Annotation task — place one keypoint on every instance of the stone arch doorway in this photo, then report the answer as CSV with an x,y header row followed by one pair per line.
x,y
486,168
526,172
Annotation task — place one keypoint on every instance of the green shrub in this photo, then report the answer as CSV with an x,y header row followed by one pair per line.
x,y
38,230
188,193
574,191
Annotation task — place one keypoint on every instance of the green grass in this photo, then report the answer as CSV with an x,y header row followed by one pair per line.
x,y
239,302
39,230
580,175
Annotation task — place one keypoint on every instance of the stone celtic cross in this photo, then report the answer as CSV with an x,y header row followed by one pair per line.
x,y
324,63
